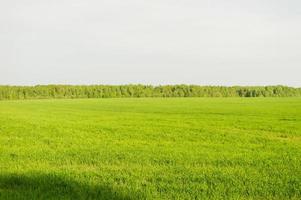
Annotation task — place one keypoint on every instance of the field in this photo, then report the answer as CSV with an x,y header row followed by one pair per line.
x,y
151,148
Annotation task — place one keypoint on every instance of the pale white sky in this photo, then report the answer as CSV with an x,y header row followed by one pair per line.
x,y
212,42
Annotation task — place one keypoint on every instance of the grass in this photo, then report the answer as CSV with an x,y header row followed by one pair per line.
x,y
178,148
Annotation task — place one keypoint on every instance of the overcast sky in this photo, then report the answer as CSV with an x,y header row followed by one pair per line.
x,y
206,42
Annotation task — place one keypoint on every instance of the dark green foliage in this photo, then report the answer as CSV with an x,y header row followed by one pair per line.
x,y
115,91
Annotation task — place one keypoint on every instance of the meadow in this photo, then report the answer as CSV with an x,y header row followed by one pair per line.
x,y
151,148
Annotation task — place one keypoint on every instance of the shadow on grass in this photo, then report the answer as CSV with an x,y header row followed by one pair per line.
x,y
54,187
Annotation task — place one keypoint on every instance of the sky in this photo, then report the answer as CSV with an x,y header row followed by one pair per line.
x,y
204,42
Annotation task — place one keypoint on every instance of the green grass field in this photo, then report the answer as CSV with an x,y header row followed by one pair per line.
x,y
154,148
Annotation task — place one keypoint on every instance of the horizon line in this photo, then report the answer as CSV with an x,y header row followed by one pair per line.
x,y
142,84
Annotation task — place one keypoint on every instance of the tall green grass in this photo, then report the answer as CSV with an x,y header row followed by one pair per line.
x,y
179,148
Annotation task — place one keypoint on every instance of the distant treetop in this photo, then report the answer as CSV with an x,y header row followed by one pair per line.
x,y
118,91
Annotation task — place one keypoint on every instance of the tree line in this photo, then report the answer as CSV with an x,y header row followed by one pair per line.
x,y
116,91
